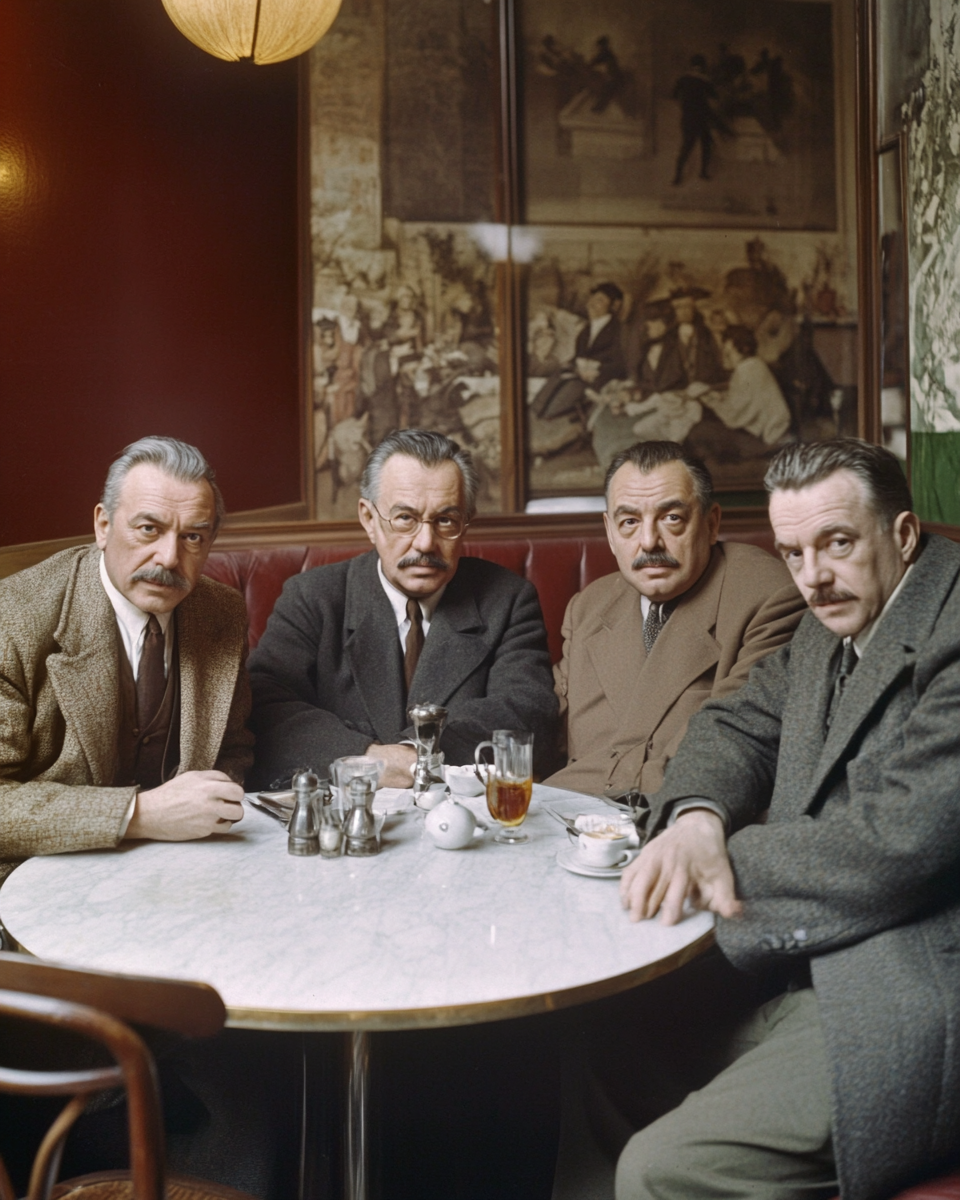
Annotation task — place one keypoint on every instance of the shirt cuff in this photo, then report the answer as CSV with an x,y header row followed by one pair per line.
x,y
683,806
128,815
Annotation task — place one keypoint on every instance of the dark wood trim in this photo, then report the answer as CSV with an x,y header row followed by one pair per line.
x,y
868,240
308,475
948,531
296,511
509,291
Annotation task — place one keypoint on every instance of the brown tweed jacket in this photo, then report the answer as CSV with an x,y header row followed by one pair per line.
x,y
59,703
625,717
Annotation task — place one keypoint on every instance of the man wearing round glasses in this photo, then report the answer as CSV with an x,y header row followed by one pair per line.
x,y
351,646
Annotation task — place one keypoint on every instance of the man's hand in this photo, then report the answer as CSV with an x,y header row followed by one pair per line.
x,y
189,806
688,861
400,762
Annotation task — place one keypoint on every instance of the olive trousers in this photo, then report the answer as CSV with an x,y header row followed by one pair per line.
x,y
760,1129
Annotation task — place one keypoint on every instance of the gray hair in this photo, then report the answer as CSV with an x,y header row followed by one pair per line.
x,y
178,459
647,456
430,450
803,464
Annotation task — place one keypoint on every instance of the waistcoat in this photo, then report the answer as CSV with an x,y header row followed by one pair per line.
x,y
150,756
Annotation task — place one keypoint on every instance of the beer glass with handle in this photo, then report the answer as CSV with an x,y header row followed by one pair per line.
x,y
510,782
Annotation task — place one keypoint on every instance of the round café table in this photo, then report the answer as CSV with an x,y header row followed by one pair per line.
x,y
415,937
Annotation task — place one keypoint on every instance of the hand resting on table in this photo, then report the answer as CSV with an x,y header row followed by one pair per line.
x,y
688,861
191,805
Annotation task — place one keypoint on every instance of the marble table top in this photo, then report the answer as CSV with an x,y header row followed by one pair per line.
x,y
414,937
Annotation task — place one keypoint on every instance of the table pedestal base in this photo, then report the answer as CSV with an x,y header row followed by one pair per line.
x,y
335,1131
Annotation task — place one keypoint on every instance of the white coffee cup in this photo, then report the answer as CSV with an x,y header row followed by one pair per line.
x,y
603,849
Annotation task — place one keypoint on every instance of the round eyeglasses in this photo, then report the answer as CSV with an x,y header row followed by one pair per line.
x,y
448,526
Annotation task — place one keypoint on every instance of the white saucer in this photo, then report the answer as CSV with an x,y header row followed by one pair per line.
x,y
570,860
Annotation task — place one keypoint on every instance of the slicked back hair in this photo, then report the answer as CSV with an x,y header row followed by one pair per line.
x,y
647,456
803,464
177,459
430,450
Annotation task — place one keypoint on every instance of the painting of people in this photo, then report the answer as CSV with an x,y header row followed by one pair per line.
x,y
680,112
727,357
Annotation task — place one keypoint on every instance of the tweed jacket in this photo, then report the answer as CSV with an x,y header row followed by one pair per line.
x,y
327,676
59,703
624,717
858,868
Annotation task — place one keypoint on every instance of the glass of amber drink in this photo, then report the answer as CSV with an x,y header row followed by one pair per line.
x,y
510,782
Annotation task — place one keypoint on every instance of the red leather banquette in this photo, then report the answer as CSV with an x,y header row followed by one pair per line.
x,y
558,567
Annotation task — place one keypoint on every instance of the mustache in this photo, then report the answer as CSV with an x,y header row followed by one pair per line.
x,y
659,558
423,560
827,596
162,576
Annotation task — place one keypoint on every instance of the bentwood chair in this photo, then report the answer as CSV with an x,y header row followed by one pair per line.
x,y
95,1006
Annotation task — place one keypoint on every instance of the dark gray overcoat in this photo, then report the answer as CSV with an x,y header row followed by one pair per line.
x,y
858,867
327,675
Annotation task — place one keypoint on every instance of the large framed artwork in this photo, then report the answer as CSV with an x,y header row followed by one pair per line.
x,y
551,229
680,112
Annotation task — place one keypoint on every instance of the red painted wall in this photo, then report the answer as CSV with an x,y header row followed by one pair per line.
x,y
148,259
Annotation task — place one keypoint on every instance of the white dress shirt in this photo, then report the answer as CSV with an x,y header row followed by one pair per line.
x,y
597,324
398,602
132,623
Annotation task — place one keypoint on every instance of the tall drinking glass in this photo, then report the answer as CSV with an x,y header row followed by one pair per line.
x,y
510,782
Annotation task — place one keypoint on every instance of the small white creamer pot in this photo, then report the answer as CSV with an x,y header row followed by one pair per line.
x,y
453,826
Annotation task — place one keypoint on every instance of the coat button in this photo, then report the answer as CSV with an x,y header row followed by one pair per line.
x,y
146,739
800,935
770,941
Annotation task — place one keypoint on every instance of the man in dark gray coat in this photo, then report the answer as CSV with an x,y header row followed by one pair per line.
x,y
847,899
351,646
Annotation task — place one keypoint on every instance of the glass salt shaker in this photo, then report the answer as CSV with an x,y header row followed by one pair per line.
x,y
331,833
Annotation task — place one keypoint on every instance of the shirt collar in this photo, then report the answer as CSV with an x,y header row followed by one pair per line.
x,y
864,637
132,618
398,601
599,323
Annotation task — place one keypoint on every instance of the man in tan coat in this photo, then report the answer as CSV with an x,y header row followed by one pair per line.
x,y
123,693
683,620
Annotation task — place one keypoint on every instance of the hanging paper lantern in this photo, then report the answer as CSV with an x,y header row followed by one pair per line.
x,y
267,31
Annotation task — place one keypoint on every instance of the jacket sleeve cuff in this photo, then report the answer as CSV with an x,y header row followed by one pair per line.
x,y
683,806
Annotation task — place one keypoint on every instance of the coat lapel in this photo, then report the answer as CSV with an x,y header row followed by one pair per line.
x,y
892,650
84,673
207,679
616,649
372,648
457,644
684,650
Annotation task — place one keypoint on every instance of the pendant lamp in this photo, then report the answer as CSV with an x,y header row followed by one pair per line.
x,y
267,31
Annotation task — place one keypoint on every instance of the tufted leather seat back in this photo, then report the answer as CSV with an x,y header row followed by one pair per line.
x,y
557,567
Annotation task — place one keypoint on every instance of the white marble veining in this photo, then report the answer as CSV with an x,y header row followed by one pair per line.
x,y
312,943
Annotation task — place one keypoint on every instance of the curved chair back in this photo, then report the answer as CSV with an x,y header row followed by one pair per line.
x,y
95,1006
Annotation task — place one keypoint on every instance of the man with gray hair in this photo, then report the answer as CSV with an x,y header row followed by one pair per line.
x,y
123,694
351,646
845,901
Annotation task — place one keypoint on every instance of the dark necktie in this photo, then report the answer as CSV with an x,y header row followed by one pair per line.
x,y
414,642
151,683
848,660
657,615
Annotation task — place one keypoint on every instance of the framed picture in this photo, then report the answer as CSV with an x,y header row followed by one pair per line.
x,y
550,230
679,112
403,321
